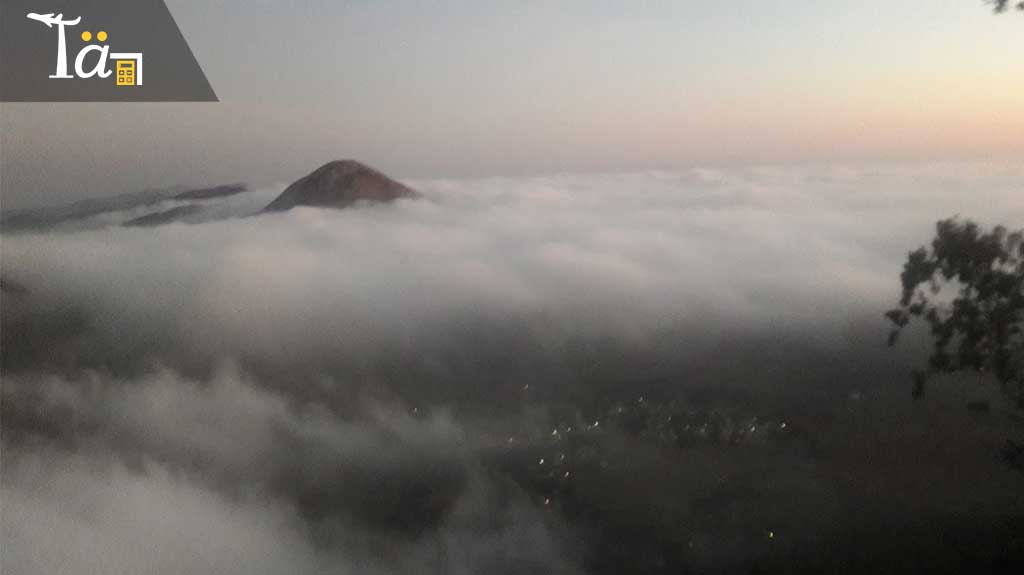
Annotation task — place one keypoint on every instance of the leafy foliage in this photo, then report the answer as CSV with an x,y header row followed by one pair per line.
x,y
980,328
1003,5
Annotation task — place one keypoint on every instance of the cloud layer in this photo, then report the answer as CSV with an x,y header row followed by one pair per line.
x,y
334,391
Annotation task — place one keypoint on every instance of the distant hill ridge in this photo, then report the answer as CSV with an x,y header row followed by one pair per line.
x,y
53,216
164,217
341,184
211,193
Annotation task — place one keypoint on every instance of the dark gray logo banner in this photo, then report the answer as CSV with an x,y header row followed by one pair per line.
x,y
96,51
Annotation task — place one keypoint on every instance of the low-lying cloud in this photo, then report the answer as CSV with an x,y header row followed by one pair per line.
x,y
333,391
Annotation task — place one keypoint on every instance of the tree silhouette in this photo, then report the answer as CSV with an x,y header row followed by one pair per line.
x,y
1003,5
978,327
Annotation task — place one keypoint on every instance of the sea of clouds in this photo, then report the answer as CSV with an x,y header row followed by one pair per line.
x,y
321,391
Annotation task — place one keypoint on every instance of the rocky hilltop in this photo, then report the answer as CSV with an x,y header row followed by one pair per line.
x,y
340,184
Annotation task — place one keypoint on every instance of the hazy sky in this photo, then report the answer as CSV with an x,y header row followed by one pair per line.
x,y
453,88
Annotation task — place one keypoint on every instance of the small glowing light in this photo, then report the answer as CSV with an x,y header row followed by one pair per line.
x,y
596,423
783,425
771,535
561,457
554,432
547,501
541,461
566,475
526,387
511,440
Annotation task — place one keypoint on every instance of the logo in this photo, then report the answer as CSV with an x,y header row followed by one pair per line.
x,y
128,64
96,51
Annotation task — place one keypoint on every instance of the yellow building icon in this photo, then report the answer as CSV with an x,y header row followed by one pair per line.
x,y
125,72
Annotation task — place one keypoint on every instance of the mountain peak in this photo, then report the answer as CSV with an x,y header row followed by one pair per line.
x,y
340,184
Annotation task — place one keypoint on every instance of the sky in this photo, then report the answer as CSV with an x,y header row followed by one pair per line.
x,y
464,89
